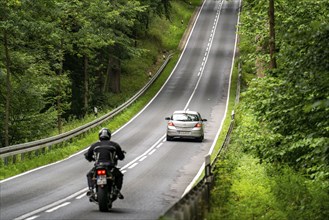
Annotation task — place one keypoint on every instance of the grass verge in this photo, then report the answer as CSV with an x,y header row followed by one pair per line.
x,y
245,188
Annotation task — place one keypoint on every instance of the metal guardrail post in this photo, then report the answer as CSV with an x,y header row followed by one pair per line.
x,y
208,173
208,178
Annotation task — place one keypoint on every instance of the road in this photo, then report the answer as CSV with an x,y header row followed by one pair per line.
x,y
156,172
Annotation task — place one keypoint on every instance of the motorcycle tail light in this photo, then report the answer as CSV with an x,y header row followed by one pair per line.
x,y
101,172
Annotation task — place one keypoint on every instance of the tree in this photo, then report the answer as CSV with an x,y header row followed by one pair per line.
x,y
290,106
7,27
272,35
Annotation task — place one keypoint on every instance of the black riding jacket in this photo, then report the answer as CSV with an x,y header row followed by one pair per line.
x,y
102,151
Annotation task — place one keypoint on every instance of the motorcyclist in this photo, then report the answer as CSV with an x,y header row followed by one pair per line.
x,y
102,151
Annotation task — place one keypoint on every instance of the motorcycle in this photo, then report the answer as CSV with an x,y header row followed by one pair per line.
x,y
105,187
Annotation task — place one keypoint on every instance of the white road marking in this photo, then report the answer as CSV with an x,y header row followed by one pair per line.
x,y
152,151
27,215
144,154
81,196
143,158
132,166
190,186
58,207
32,217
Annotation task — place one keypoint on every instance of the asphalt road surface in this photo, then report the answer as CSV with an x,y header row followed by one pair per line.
x,y
156,172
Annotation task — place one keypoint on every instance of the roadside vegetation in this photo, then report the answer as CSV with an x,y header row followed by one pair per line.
x,y
159,40
277,163
60,59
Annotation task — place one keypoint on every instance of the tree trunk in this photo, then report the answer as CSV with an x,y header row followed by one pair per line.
x,y
59,95
272,35
115,76
107,76
9,92
86,85
59,115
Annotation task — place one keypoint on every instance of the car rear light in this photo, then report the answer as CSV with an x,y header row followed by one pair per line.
x,y
198,125
170,124
101,172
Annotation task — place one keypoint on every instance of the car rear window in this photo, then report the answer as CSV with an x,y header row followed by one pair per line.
x,y
185,117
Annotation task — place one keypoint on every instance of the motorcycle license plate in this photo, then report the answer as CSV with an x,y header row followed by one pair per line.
x,y
101,180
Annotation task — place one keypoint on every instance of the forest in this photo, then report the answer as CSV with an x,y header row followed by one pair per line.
x,y
277,164
288,104
60,59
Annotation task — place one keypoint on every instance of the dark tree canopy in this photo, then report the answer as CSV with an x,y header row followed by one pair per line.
x,y
57,54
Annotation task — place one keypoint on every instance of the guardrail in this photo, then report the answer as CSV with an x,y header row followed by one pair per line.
x,y
195,203
12,151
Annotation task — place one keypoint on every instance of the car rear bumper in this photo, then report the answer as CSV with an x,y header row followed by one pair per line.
x,y
185,134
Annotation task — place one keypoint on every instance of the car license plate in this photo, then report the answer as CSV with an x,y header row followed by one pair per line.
x,y
185,132
101,180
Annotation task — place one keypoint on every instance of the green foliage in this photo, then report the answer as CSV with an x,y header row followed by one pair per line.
x,y
248,189
288,108
61,152
277,166
58,53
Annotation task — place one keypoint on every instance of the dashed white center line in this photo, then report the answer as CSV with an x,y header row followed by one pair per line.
x,y
152,151
58,207
159,145
132,166
81,196
32,217
143,158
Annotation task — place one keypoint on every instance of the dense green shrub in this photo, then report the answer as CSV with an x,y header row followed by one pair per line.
x,y
247,188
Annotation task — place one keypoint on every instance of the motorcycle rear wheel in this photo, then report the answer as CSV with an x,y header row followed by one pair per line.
x,y
103,199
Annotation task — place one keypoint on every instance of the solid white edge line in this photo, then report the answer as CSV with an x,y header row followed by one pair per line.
x,y
189,187
29,214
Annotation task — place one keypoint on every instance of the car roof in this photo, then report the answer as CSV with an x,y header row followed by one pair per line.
x,y
186,111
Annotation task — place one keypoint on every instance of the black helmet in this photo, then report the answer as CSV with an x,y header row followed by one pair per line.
x,y
104,134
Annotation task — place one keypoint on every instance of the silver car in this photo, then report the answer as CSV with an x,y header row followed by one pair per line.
x,y
185,124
